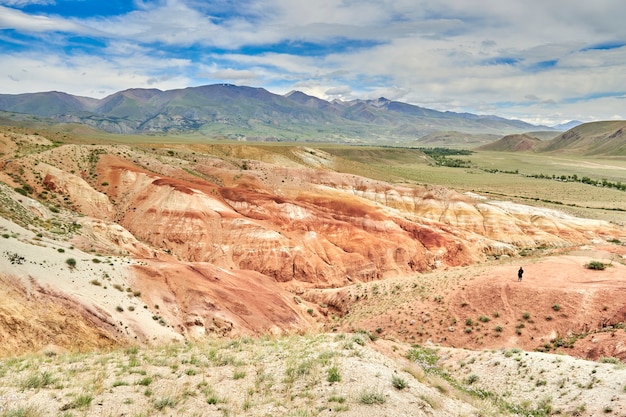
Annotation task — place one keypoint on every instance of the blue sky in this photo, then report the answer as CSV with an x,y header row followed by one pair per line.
x,y
536,60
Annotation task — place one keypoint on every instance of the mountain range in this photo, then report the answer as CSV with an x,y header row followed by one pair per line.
x,y
240,112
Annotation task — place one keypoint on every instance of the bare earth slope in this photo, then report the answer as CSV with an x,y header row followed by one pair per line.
x,y
213,227
234,239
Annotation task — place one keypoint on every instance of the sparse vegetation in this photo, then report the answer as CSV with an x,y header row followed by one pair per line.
x,y
372,395
258,373
333,374
398,382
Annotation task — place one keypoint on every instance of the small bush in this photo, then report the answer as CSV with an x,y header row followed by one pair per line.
x,y
556,307
471,379
145,381
483,319
163,403
71,262
371,396
596,265
398,382
333,374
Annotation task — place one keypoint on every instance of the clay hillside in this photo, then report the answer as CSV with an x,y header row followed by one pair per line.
x,y
120,244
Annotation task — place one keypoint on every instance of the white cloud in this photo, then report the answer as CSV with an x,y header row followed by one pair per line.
x,y
23,3
518,59
87,75
20,21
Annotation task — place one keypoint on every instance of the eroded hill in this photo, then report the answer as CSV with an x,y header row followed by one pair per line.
x,y
184,241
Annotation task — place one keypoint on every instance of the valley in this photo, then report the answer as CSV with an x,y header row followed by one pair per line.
x,y
180,252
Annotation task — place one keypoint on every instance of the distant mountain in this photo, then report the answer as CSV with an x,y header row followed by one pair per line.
x,y
567,126
512,143
596,138
255,114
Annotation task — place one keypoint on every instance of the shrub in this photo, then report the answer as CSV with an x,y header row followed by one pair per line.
x,y
398,382
471,379
596,265
71,262
483,319
333,374
556,307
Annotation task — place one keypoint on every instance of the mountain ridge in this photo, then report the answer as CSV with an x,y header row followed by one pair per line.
x,y
255,113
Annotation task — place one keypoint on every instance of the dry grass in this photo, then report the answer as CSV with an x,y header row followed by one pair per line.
x,y
253,377
289,376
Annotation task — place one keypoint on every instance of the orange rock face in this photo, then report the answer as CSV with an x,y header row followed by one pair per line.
x,y
227,242
321,228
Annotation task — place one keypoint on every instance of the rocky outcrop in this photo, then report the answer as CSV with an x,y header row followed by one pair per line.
x,y
321,228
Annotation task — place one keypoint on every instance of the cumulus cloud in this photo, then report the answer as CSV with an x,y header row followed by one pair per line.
x,y
340,91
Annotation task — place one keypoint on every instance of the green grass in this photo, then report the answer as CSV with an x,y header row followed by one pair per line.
x,y
38,380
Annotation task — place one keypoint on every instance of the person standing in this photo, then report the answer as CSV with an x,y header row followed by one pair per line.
x,y
520,273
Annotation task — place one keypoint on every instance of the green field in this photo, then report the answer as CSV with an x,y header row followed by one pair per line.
x,y
572,197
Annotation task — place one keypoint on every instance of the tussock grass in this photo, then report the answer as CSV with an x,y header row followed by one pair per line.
x,y
291,375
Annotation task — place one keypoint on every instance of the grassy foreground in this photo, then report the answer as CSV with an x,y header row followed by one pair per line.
x,y
312,375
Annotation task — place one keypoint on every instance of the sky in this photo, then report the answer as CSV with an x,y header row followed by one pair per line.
x,y
541,61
